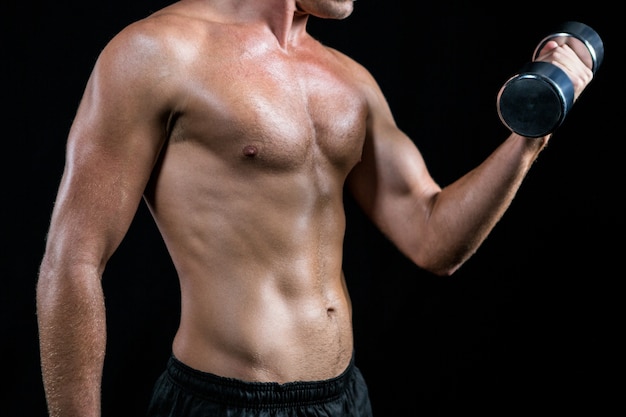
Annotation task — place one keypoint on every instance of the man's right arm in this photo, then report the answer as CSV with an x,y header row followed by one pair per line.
x,y
112,147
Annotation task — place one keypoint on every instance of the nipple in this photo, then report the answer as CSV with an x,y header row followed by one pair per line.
x,y
250,151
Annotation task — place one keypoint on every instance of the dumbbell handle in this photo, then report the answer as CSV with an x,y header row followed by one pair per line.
x,y
585,42
535,101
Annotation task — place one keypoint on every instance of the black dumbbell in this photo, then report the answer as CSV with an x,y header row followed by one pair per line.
x,y
535,101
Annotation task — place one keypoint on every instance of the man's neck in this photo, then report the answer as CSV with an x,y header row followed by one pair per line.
x,y
282,17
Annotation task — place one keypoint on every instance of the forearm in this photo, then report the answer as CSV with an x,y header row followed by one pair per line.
x,y
466,211
72,334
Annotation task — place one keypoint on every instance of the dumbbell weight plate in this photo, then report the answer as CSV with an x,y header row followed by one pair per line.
x,y
536,101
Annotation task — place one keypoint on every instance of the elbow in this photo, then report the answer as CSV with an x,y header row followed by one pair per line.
x,y
57,276
444,271
441,265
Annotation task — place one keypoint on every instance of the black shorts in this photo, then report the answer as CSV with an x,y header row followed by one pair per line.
x,y
185,392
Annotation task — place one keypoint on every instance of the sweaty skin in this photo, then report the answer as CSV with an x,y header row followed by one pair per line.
x,y
241,131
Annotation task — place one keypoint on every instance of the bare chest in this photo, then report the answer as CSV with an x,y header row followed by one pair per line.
x,y
281,116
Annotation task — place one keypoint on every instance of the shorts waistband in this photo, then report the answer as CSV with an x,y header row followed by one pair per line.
x,y
231,391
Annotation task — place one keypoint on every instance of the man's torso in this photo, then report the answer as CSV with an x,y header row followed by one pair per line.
x,y
248,197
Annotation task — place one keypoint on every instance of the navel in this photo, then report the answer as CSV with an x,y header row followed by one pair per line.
x,y
250,151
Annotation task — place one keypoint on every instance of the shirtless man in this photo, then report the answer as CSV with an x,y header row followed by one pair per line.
x,y
241,131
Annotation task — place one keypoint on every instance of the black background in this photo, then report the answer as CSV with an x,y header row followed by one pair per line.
x,y
530,324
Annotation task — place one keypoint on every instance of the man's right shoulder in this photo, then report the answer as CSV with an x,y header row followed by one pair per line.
x,y
159,29
158,38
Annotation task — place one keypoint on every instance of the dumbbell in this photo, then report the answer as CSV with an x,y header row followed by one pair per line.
x,y
535,101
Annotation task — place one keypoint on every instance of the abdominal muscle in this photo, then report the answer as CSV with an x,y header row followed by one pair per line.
x,y
263,296
250,329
